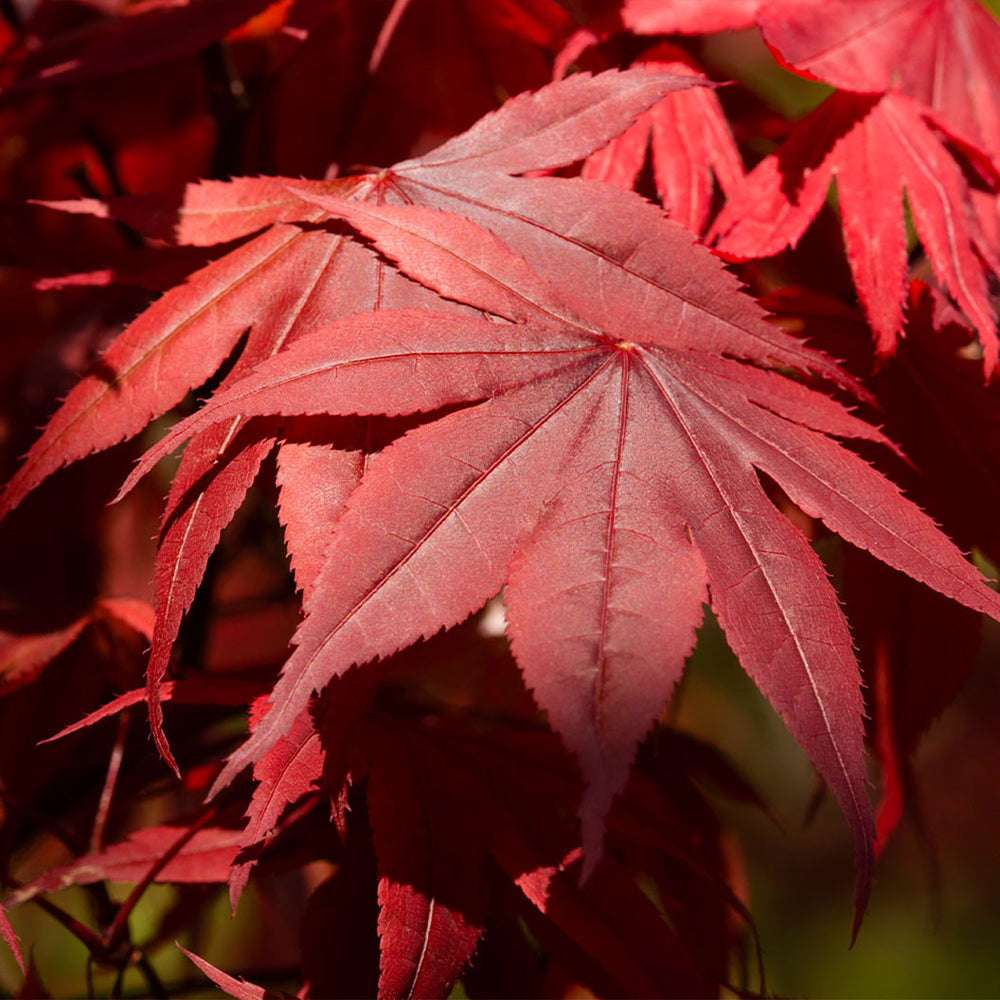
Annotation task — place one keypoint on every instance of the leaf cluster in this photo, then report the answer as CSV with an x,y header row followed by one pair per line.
x,y
505,342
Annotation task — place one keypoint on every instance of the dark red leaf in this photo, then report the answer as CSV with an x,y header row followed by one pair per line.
x,y
613,922
206,857
584,583
22,657
144,34
431,881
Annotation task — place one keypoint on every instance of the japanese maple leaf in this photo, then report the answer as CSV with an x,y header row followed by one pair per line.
x,y
943,53
190,537
440,801
609,474
297,273
431,889
205,857
876,148
690,142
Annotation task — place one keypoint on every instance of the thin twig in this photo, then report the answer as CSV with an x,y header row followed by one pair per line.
x,y
110,781
90,939
153,981
119,983
115,932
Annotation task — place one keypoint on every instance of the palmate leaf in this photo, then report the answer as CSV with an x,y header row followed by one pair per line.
x,y
280,284
604,466
943,53
689,140
609,478
876,148
442,800
431,875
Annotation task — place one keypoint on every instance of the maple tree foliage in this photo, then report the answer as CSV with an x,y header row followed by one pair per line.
x,y
462,312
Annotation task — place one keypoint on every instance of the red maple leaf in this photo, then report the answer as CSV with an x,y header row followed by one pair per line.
x,y
506,793
603,461
205,856
473,379
876,148
431,884
305,274
444,799
943,53
689,141
610,470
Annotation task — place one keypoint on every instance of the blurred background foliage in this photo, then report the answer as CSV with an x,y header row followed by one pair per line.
x,y
932,925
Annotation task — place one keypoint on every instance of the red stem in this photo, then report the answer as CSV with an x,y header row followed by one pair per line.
x,y
113,934
110,781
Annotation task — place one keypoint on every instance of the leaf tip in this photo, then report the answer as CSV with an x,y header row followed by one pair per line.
x,y
865,859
